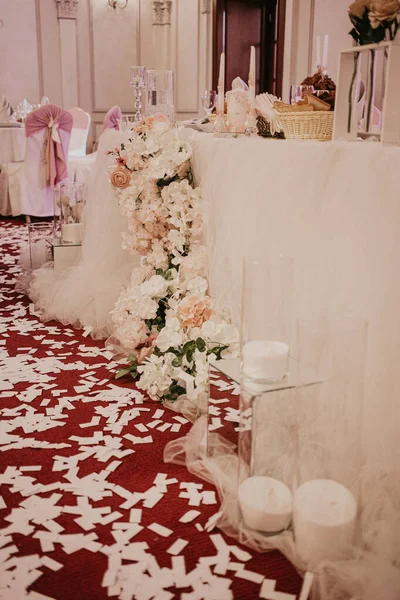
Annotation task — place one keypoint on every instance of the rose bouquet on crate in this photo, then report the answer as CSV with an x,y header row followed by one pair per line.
x,y
374,20
165,321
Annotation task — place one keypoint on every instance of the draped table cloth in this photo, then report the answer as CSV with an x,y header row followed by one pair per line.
x,y
334,208
12,144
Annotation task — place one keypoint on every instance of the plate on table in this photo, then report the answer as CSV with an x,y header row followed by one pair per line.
x,y
203,125
11,124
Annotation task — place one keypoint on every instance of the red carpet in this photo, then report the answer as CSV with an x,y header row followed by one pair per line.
x,y
34,359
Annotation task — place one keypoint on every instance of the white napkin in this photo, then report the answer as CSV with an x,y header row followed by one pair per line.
x,y
6,110
239,84
265,107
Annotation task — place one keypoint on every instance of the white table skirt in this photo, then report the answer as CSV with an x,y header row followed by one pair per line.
x,y
334,208
12,144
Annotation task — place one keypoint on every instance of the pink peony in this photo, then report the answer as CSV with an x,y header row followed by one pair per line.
x,y
183,169
194,311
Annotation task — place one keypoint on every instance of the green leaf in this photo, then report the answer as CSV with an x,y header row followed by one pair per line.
x,y
122,373
201,345
177,362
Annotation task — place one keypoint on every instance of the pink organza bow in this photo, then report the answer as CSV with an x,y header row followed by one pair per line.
x,y
112,117
55,119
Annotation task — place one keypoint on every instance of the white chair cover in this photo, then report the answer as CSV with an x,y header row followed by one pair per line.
x,y
6,110
80,131
27,196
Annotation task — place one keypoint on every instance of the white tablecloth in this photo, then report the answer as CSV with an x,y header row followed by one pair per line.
x,y
12,144
334,208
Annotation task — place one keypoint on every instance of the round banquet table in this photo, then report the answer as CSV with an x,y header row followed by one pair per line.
x,y
334,207
12,144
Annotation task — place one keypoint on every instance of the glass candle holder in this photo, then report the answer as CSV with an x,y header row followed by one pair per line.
x,y
160,93
40,235
70,204
329,418
137,79
266,323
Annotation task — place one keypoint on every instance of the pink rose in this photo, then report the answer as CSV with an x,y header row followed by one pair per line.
x,y
120,178
147,350
194,311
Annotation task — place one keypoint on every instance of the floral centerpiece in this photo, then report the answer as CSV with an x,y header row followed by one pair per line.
x,y
165,321
373,21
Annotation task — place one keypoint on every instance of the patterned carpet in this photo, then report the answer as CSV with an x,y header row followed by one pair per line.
x,y
88,509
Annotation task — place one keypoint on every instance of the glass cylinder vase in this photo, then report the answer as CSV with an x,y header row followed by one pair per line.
x,y
70,204
40,236
160,93
327,498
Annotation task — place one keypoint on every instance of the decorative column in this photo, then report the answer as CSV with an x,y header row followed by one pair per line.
x,y
162,14
67,13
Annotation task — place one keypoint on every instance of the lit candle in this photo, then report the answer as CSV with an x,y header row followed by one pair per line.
x,y
265,360
325,55
221,85
71,233
318,52
324,519
266,504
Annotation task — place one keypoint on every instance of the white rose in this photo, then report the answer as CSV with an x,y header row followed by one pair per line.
x,y
145,307
197,286
156,287
171,336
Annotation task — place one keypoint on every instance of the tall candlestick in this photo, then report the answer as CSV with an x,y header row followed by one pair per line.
x,y
318,52
325,55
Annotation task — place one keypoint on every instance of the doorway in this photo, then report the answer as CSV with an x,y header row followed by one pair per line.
x,y
239,24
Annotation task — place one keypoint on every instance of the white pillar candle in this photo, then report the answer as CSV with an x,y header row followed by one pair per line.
x,y
325,55
266,504
38,254
71,233
252,75
265,360
221,85
318,52
324,519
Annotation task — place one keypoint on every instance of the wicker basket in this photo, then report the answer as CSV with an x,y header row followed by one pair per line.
x,y
316,125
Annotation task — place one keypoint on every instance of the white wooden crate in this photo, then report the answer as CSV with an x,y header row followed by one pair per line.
x,y
390,130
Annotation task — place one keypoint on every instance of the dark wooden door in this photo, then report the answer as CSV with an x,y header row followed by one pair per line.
x,y
239,24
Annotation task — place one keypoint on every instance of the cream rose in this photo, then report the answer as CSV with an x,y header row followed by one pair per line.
x,y
382,10
194,311
120,178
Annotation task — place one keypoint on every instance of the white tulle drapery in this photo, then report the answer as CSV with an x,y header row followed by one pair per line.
x,y
84,295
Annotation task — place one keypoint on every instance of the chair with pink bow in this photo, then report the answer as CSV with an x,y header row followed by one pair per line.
x,y
31,183
112,118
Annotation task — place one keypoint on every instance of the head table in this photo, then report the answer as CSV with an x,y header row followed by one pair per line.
x,y
334,208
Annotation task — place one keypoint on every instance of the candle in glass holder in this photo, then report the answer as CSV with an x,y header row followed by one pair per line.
x,y
265,503
38,254
71,233
324,519
265,360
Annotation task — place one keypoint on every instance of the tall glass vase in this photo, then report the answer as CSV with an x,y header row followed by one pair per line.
x,y
160,93
326,499
264,498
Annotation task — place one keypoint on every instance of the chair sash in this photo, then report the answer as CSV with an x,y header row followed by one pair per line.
x,y
54,161
112,117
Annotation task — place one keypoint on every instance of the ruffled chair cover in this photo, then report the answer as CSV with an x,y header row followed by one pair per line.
x,y
112,117
31,183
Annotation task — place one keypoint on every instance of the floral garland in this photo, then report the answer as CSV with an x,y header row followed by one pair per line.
x,y
165,321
